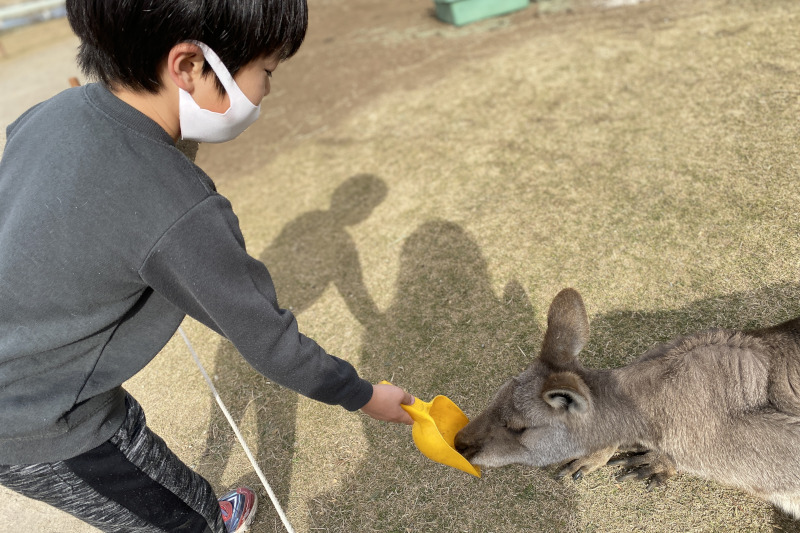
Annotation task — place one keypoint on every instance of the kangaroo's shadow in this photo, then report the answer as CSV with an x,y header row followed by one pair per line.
x,y
311,252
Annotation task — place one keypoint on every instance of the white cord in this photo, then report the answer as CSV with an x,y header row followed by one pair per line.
x,y
263,479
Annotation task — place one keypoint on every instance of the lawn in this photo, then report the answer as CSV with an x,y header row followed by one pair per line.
x,y
646,156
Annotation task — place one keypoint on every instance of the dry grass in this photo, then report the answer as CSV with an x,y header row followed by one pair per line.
x,y
650,160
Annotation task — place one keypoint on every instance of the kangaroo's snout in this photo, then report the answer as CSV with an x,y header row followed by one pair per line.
x,y
464,446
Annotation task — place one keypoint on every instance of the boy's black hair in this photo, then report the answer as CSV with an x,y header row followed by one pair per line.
x,y
123,42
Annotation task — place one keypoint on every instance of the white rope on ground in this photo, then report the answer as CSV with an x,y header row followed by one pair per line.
x,y
263,479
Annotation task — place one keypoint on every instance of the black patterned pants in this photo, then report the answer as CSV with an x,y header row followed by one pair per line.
x,y
131,483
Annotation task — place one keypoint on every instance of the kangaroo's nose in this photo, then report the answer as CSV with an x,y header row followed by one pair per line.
x,y
463,446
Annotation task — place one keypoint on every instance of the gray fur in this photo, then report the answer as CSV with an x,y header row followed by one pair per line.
x,y
719,404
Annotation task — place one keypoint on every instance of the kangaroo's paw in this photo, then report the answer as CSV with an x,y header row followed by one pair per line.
x,y
651,466
584,465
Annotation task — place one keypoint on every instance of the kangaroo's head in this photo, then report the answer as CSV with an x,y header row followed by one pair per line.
x,y
535,417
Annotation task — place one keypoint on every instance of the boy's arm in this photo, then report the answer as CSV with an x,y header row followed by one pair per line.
x,y
200,264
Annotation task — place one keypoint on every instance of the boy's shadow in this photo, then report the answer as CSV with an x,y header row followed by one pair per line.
x,y
315,251
311,253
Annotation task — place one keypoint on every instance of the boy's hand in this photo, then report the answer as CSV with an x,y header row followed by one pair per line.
x,y
385,404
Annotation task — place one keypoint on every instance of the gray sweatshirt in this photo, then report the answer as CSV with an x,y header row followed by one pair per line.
x,y
108,237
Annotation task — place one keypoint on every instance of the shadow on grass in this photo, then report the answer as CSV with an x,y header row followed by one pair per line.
x,y
445,332
311,253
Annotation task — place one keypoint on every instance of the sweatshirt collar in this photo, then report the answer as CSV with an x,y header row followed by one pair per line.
x,y
129,117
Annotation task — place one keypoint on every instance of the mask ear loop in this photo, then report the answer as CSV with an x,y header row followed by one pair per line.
x,y
222,72
238,434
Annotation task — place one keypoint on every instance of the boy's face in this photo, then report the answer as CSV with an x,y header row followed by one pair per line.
x,y
252,79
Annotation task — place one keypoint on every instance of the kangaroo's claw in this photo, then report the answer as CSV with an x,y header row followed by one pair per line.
x,y
651,466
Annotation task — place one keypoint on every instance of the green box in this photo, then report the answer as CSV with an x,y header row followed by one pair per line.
x,y
460,12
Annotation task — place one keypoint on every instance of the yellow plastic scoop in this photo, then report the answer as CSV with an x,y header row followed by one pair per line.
x,y
434,431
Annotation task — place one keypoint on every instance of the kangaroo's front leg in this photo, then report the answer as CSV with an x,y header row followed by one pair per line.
x,y
652,465
577,468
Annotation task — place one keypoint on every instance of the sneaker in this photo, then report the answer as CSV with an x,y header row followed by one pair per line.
x,y
238,509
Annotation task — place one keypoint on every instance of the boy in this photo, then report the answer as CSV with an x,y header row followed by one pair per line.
x,y
109,236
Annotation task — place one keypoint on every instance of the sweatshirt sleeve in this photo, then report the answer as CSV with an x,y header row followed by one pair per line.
x,y
201,265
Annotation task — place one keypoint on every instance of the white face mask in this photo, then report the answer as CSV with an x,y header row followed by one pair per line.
x,y
202,125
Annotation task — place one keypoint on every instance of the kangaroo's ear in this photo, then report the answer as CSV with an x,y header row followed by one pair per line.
x,y
567,330
566,391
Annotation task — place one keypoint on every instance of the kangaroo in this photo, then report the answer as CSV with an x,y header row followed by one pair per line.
x,y
719,404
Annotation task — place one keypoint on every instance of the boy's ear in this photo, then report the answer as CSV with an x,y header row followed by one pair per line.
x,y
185,65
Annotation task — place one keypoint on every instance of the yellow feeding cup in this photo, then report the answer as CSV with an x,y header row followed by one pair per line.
x,y
434,431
